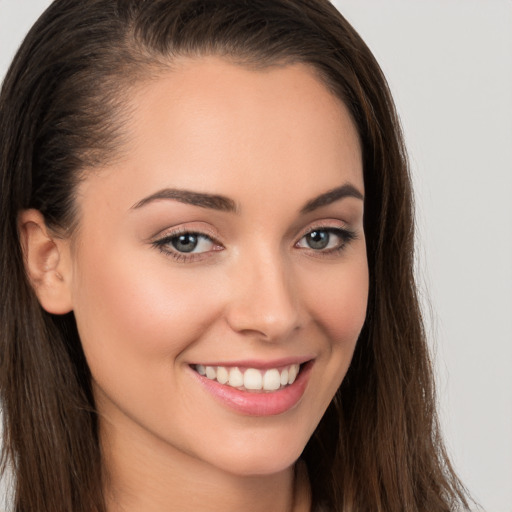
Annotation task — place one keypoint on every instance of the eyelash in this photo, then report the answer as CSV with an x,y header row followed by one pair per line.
x,y
346,236
163,245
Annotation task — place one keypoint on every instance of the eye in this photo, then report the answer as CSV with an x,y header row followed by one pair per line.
x,y
191,243
326,239
187,245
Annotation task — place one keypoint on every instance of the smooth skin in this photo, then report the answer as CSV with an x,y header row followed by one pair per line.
x,y
256,285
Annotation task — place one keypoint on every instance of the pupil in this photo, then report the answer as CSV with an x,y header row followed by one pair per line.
x,y
185,243
318,239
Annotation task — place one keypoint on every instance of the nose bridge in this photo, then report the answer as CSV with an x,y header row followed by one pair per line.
x,y
264,303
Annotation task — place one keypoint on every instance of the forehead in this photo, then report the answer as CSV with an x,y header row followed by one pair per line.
x,y
214,126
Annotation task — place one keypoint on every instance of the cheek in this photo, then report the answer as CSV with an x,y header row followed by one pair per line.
x,y
134,311
340,308
340,312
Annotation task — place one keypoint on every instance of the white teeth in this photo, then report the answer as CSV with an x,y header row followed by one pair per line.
x,y
236,378
292,373
271,380
251,379
211,373
222,375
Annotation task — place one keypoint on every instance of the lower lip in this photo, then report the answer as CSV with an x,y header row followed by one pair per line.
x,y
253,403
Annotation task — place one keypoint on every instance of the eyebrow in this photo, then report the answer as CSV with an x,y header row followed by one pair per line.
x,y
211,201
331,196
225,204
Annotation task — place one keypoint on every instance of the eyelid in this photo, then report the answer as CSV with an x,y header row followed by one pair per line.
x,y
325,225
198,228
161,241
345,233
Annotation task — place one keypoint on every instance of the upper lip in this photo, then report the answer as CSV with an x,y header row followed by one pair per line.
x,y
258,363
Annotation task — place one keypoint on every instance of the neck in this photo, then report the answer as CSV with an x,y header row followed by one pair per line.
x,y
146,474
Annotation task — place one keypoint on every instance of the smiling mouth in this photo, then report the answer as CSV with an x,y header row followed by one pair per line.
x,y
251,379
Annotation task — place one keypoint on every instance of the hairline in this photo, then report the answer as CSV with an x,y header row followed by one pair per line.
x,y
148,67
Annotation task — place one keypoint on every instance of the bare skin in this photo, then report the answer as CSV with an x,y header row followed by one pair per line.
x,y
273,273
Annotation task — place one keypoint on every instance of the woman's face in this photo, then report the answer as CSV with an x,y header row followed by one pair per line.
x,y
227,241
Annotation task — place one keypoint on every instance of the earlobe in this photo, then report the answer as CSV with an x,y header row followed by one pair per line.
x,y
47,262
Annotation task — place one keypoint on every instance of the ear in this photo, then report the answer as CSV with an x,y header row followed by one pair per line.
x,y
47,262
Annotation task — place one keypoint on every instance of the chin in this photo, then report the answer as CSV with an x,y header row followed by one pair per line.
x,y
261,464
264,454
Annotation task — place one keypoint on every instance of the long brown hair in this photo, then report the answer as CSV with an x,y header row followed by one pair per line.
x,y
378,447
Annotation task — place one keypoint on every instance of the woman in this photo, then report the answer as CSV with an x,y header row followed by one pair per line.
x,y
210,304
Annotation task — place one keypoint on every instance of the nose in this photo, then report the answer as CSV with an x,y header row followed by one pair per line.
x,y
264,302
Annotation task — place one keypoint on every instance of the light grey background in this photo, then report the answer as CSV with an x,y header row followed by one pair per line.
x,y
449,65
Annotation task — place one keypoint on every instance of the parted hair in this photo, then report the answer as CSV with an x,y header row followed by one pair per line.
x,y
62,108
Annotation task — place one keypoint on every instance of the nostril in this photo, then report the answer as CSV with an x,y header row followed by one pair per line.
x,y
264,304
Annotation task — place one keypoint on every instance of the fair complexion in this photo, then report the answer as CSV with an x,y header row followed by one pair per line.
x,y
260,174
